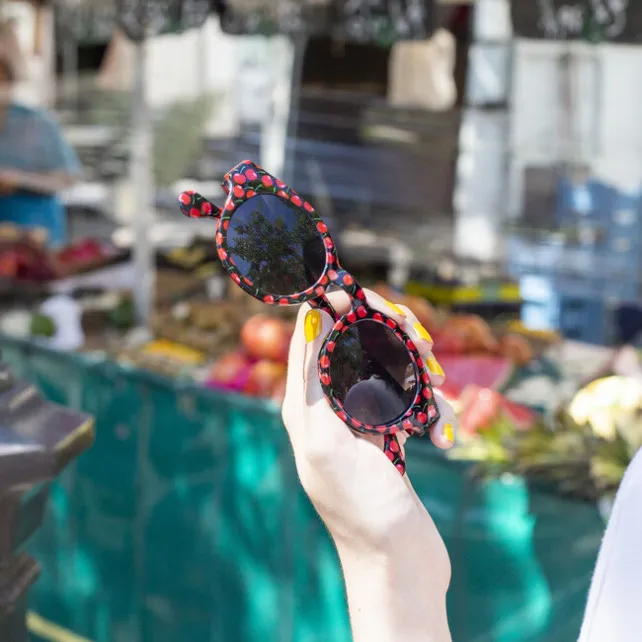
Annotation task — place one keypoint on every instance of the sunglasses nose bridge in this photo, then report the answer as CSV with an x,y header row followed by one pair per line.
x,y
345,281
322,302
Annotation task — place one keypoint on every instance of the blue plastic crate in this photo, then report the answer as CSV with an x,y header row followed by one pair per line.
x,y
584,319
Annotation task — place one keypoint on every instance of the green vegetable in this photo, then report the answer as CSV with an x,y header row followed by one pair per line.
x,y
123,315
42,326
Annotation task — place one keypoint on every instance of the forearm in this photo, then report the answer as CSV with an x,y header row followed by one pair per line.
x,y
393,597
45,183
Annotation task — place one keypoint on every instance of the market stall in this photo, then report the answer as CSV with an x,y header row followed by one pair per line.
x,y
190,445
188,520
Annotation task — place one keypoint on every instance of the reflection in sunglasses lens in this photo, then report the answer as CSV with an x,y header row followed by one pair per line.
x,y
372,373
276,245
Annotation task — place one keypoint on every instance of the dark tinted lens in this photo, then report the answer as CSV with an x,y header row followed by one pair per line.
x,y
276,245
372,373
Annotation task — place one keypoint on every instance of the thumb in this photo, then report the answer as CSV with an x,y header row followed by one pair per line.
x,y
316,327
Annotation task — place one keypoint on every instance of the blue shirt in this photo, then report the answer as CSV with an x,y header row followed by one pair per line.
x,y
31,141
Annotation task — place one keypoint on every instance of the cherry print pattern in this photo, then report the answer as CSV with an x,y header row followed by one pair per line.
x,y
247,180
393,452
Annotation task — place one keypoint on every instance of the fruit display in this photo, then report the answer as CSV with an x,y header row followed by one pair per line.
x,y
24,256
229,341
470,334
265,337
42,326
259,367
24,259
481,407
581,450
164,358
83,256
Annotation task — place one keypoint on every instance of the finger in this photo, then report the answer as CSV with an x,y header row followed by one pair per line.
x,y
443,432
405,318
293,401
342,304
424,343
316,327
324,436
377,440
296,355
435,371
416,330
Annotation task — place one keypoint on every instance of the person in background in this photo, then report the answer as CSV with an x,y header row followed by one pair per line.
x,y
36,163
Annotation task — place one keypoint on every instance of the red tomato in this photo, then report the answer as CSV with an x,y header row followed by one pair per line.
x,y
264,378
266,337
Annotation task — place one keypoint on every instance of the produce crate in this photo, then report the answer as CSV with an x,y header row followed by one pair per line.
x,y
186,523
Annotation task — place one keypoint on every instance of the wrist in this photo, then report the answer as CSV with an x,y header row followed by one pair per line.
x,y
410,539
398,592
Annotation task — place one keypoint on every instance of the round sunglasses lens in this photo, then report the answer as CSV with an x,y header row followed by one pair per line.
x,y
372,373
276,245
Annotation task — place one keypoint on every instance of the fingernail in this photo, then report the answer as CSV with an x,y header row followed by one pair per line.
x,y
312,325
449,433
395,308
434,367
422,332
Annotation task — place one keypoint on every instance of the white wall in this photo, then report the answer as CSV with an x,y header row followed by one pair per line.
x,y
480,191
595,121
235,68
604,111
38,87
479,198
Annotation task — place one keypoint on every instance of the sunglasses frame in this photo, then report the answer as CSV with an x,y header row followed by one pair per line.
x,y
244,182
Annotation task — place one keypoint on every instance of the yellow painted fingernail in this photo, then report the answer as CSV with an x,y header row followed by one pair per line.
x,y
396,309
449,433
312,325
434,367
422,332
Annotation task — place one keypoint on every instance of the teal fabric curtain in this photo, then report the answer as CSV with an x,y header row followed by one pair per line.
x,y
186,523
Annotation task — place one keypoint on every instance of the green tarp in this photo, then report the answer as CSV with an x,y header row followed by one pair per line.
x,y
186,523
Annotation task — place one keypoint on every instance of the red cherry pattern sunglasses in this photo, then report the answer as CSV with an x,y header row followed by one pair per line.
x,y
277,249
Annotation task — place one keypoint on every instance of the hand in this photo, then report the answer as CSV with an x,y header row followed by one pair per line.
x,y
10,181
372,512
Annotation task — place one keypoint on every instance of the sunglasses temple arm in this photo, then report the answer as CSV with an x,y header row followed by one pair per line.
x,y
392,450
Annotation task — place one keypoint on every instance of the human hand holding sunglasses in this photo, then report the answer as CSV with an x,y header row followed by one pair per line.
x,y
277,249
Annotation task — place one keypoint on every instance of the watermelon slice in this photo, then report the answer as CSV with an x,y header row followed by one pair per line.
x,y
483,371
481,406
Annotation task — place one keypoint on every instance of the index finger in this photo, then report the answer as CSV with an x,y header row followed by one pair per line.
x,y
342,304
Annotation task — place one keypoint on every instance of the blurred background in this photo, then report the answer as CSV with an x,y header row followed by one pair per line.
x,y
478,161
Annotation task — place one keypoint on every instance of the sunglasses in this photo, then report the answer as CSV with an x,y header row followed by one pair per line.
x,y
277,249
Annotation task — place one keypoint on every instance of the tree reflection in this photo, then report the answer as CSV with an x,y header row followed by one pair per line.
x,y
279,249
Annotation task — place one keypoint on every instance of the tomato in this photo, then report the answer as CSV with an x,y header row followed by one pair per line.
x,y
265,337
264,378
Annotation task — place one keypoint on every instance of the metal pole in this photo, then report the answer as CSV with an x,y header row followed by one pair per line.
x,y
275,126
279,128
203,58
298,55
142,183
70,72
